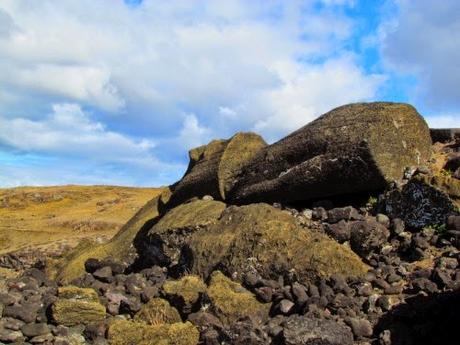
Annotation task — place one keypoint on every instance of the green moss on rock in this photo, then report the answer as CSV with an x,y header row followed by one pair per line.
x,y
77,293
157,311
191,215
189,289
77,306
353,148
213,167
122,332
178,224
262,238
230,301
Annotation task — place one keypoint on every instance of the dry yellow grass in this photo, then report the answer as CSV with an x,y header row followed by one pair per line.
x,y
53,217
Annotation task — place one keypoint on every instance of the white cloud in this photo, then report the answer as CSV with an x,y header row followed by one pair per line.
x,y
88,84
192,134
69,131
231,65
308,91
443,121
425,41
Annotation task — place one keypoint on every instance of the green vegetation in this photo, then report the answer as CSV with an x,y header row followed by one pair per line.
x,y
230,301
158,312
122,332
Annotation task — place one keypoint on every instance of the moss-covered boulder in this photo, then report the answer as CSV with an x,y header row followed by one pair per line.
x,y
157,311
119,247
76,306
230,301
351,149
261,238
185,293
167,237
77,293
448,184
213,167
122,332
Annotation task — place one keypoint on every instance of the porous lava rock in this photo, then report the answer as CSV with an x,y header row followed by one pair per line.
x,y
213,167
256,237
354,148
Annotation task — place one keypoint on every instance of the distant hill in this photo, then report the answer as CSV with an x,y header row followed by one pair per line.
x,y
53,218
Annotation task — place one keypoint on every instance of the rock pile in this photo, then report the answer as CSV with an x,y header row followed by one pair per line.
x,y
216,268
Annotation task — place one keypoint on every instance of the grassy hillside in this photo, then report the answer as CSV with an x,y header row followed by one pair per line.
x,y
53,218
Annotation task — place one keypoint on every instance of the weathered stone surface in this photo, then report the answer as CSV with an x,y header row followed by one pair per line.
x,y
185,292
157,311
304,330
230,301
339,231
360,327
104,274
167,237
26,312
213,167
34,329
262,238
419,203
77,306
367,236
354,148
77,293
74,312
123,332
342,213
10,336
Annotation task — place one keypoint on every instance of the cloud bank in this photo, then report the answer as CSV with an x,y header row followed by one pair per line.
x,y
117,92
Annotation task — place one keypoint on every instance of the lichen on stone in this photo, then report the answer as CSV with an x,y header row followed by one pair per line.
x,y
123,332
230,301
157,312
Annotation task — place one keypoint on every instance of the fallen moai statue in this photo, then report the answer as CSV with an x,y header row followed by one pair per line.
x,y
354,148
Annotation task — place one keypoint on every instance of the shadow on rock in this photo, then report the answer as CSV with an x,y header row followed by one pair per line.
x,y
429,320
148,253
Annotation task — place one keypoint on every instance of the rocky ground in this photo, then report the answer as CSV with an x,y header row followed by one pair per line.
x,y
371,268
408,296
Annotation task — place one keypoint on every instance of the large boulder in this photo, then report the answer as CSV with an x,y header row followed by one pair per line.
x,y
424,201
354,148
213,167
245,239
76,306
166,238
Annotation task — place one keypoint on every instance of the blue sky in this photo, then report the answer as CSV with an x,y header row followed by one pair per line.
x,y
117,92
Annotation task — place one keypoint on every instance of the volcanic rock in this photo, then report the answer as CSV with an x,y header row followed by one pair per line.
x,y
213,167
122,332
77,306
230,301
351,149
262,238
303,330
